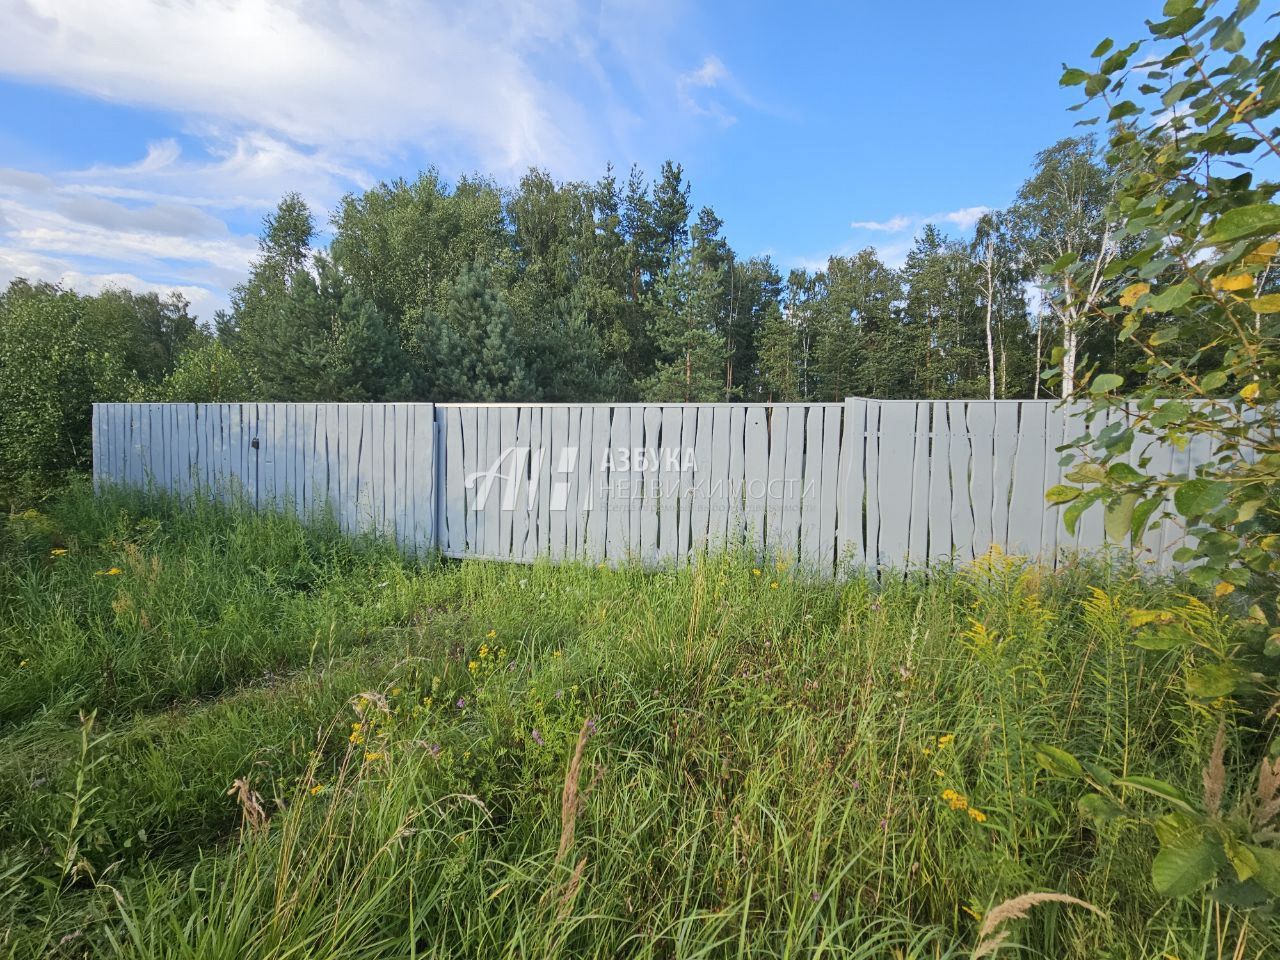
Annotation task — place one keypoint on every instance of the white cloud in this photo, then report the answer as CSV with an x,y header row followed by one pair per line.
x,y
98,282
892,225
358,75
57,228
271,96
707,89
964,219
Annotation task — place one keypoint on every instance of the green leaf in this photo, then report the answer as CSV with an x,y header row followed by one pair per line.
x,y
1117,517
1245,221
1103,48
1071,516
1142,517
1105,382
1157,788
1057,761
1197,497
1126,108
1100,808
1212,680
1072,77
1172,297
1061,493
1268,861
1213,380
1121,472
1175,411
1088,473
1161,639
1181,871
1267,304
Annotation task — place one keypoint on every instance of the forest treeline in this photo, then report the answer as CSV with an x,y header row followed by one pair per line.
x,y
607,290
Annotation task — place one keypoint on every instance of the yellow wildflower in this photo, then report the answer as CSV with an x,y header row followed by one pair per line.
x,y
472,665
317,789
58,552
774,585
491,634
556,654
957,801
977,815
112,572
375,755
23,663
755,571
1223,589
484,650
1250,391
946,739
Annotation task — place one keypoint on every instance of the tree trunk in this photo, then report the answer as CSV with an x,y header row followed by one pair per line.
x,y
1035,390
1070,343
991,351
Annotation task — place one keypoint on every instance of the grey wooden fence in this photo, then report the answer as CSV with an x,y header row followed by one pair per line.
x,y
864,481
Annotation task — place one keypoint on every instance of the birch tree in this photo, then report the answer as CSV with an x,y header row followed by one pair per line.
x,y
1060,218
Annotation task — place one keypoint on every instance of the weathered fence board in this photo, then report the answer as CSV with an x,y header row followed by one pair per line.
x,y
823,484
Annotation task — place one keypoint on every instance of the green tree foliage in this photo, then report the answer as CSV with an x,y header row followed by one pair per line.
x,y
862,331
1192,289
692,352
150,331
322,339
207,371
469,349
284,248
404,243
59,354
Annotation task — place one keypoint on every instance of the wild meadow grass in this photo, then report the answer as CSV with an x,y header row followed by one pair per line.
x,y
226,735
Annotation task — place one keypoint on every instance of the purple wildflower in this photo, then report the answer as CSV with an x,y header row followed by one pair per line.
x,y
434,748
462,702
591,726
537,737
815,896
857,785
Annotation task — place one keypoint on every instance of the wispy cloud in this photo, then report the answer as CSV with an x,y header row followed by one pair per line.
x,y
892,225
963,219
710,89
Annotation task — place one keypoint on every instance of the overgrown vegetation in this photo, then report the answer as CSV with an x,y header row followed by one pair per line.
x,y
1192,289
224,735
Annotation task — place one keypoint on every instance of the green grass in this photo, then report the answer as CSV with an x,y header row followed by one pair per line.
x,y
760,770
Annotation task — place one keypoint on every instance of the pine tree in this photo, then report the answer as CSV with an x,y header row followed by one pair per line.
x,y
692,353
322,339
468,350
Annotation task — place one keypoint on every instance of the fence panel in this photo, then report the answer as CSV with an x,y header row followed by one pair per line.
x,y
825,484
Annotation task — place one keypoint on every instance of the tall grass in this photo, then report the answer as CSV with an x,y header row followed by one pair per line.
x,y
306,747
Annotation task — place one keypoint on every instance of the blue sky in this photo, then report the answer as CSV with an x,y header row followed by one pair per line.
x,y
142,141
